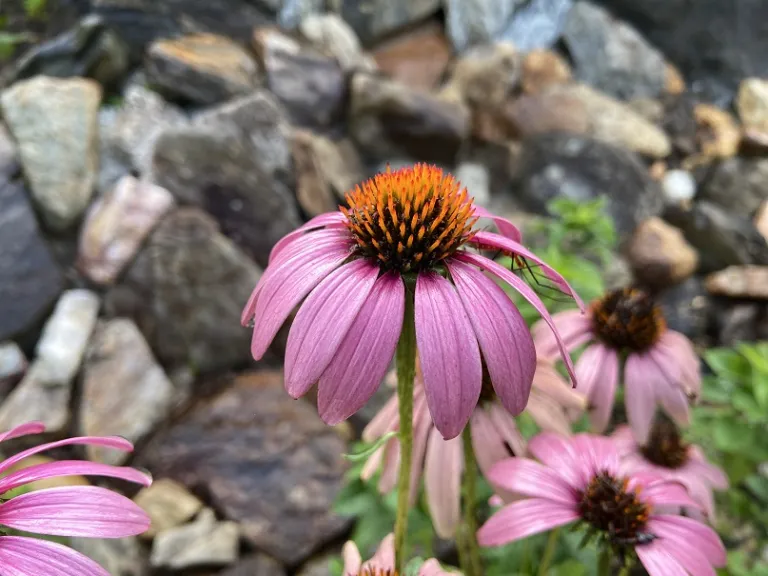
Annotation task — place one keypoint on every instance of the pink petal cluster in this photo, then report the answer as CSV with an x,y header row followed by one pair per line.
x,y
83,511
383,562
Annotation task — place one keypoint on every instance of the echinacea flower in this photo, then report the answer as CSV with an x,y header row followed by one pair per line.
x,y
83,511
383,562
494,434
669,456
580,479
660,365
413,224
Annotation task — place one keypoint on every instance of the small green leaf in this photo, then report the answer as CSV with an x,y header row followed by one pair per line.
x,y
413,567
366,453
727,364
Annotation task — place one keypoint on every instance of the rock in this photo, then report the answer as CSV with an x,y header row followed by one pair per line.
x,y
477,22
186,290
235,163
204,542
617,273
168,503
118,556
387,120
124,390
678,121
659,254
30,280
735,323
417,58
752,105
537,24
761,220
678,186
54,122
378,18
291,13
266,461
740,282
674,83
477,180
686,308
330,35
201,69
116,225
312,87
610,55
320,566
13,364
557,164
542,69
257,565
44,392
738,184
717,134
579,109
721,238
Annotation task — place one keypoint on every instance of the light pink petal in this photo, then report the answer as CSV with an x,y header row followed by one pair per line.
x,y
573,326
666,493
422,430
352,559
23,430
384,558
432,568
505,226
713,474
548,381
362,359
526,292
548,415
442,483
658,561
687,556
557,452
386,420
701,493
704,538
595,454
524,518
390,467
88,511
675,404
506,427
503,335
597,372
681,350
20,556
327,219
448,353
530,478
640,381
71,468
488,444
323,321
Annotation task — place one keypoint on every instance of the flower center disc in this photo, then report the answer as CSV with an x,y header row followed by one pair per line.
x,y
410,219
665,447
627,319
611,508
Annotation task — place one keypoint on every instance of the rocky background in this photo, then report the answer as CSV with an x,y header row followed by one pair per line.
x,y
154,150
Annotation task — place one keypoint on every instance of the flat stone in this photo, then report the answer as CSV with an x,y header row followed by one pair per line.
x,y
258,565
761,220
330,35
311,86
117,224
119,360
659,254
737,184
185,291
740,282
266,461
168,503
118,556
718,134
204,542
542,69
378,18
13,364
752,105
55,123
387,119
611,55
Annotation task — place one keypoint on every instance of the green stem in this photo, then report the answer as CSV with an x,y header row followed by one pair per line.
x,y
549,552
405,359
604,562
624,570
475,567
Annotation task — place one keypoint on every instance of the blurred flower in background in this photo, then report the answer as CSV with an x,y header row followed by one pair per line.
x,y
383,562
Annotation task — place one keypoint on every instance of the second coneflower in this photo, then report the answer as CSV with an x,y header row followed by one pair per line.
x,y
405,239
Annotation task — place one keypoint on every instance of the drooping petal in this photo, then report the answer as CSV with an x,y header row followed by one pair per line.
x,y
87,511
505,425
501,332
667,493
548,381
386,419
23,430
604,392
687,556
524,518
548,415
640,395
556,452
530,478
505,226
658,561
700,535
711,473
487,442
573,326
681,351
448,353
352,559
71,468
422,431
442,483
323,321
20,556
328,219
675,404
365,354
432,568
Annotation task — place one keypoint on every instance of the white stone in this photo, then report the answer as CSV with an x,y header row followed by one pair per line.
x,y
477,180
678,186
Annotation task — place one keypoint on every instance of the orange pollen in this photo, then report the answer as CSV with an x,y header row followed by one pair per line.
x,y
365,571
409,219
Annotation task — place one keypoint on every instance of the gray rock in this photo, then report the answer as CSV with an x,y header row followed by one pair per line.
x,y
118,556
477,180
378,18
334,37
687,308
55,123
124,390
293,12
30,280
611,55
537,24
258,565
13,364
474,22
204,542
168,503
740,322
186,290
678,186
320,566
737,184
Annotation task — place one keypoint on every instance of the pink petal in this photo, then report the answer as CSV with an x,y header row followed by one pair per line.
x,y
487,442
362,359
604,387
505,226
23,430
432,568
640,394
384,558
699,465
658,561
530,478
448,352
422,431
327,219
687,556
21,556
573,326
548,415
595,454
505,425
524,518
71,468
88,511
386,419
675,404
323,321
502,334
667,493
442,483
556,452
549,383
681,349
352,559
704,538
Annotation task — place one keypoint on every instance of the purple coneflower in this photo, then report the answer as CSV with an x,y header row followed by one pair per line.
x,y
660,366
669,456
495,437
580,479
82,511
383,562
412,224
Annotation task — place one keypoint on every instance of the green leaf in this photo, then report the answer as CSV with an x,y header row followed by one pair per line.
x,y
413,567
726,363
729,436
568,568
366,453
35,8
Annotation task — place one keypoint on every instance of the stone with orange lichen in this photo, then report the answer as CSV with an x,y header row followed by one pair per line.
x,y
674,83
718,134
542,69
659,254
740,282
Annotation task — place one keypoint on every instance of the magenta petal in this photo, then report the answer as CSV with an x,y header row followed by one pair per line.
x,y
503,335
556,452
88,511
687,555
327,219
640,394
702,536
657,561
450,358
489,445
23,430
505,226
524,518
530,478
667,493
71,468
323,321
20,556
597,371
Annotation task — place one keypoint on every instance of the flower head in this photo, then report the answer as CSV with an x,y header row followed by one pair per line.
x,y
383,562
409,231
661,366
84,511
581,479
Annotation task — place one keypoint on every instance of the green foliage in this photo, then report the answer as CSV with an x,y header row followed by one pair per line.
x,y
35,8
9,41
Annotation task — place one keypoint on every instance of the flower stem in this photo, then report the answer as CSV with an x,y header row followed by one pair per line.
x,y
549,552
474,567
405,359
604,562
